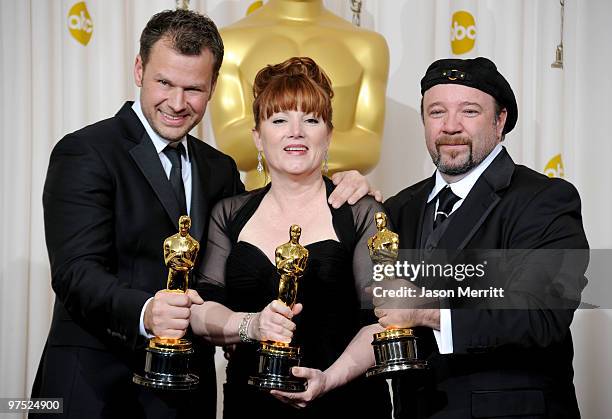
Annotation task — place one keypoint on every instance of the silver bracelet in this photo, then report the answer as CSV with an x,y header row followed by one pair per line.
x,y
244,328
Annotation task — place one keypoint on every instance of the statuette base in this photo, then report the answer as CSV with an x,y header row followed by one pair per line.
x,y
167,365
274,369
395,350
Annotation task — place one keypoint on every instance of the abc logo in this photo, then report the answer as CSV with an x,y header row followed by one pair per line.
x,y
254,6
79,23
463,32
554,168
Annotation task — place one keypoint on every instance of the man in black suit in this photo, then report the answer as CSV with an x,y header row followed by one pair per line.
x,y
489,356
114,191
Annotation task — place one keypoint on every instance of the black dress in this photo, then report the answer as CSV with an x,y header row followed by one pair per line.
x,y
240,276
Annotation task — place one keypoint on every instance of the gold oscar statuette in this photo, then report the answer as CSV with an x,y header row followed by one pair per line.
x,y
277,358
167,359
395,348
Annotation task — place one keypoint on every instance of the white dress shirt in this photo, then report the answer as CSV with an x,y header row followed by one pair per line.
x,y
461,188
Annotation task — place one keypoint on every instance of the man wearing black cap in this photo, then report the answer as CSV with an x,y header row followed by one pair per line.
x,y
487,358
512,362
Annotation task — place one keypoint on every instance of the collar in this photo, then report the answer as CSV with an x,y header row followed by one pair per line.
x,y
462,187
159,142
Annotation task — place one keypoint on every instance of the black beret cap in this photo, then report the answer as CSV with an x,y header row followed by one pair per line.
x,y
479,73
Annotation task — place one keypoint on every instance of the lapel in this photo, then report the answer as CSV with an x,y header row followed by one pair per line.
x,y
413,213
145,156
200,178
479,203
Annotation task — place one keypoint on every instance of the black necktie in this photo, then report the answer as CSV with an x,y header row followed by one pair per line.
x,y
176,176
446,201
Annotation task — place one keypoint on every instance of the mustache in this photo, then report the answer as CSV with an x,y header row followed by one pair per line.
x,y
453,140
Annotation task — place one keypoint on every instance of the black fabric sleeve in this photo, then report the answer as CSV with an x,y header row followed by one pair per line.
x,y
544,285
78,201
210,277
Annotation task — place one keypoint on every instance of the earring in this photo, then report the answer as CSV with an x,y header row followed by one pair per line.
x,y
325,164
260,167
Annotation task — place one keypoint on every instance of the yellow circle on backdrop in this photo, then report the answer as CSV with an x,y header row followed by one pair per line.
x,y
80,24
554,167
463,32
254,6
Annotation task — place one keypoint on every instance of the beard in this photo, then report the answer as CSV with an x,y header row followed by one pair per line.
x,y
452,167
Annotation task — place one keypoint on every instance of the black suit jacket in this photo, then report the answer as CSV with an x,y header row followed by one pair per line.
x,y
108,206
505,362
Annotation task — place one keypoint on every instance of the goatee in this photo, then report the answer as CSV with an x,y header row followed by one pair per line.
x,y
453,169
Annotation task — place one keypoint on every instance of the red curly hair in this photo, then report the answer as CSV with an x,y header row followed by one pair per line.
x,y
295,84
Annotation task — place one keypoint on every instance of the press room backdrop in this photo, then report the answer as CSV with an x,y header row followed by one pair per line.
x,y
65,64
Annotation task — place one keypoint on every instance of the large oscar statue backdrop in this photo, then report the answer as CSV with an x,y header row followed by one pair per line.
x,y
356,60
